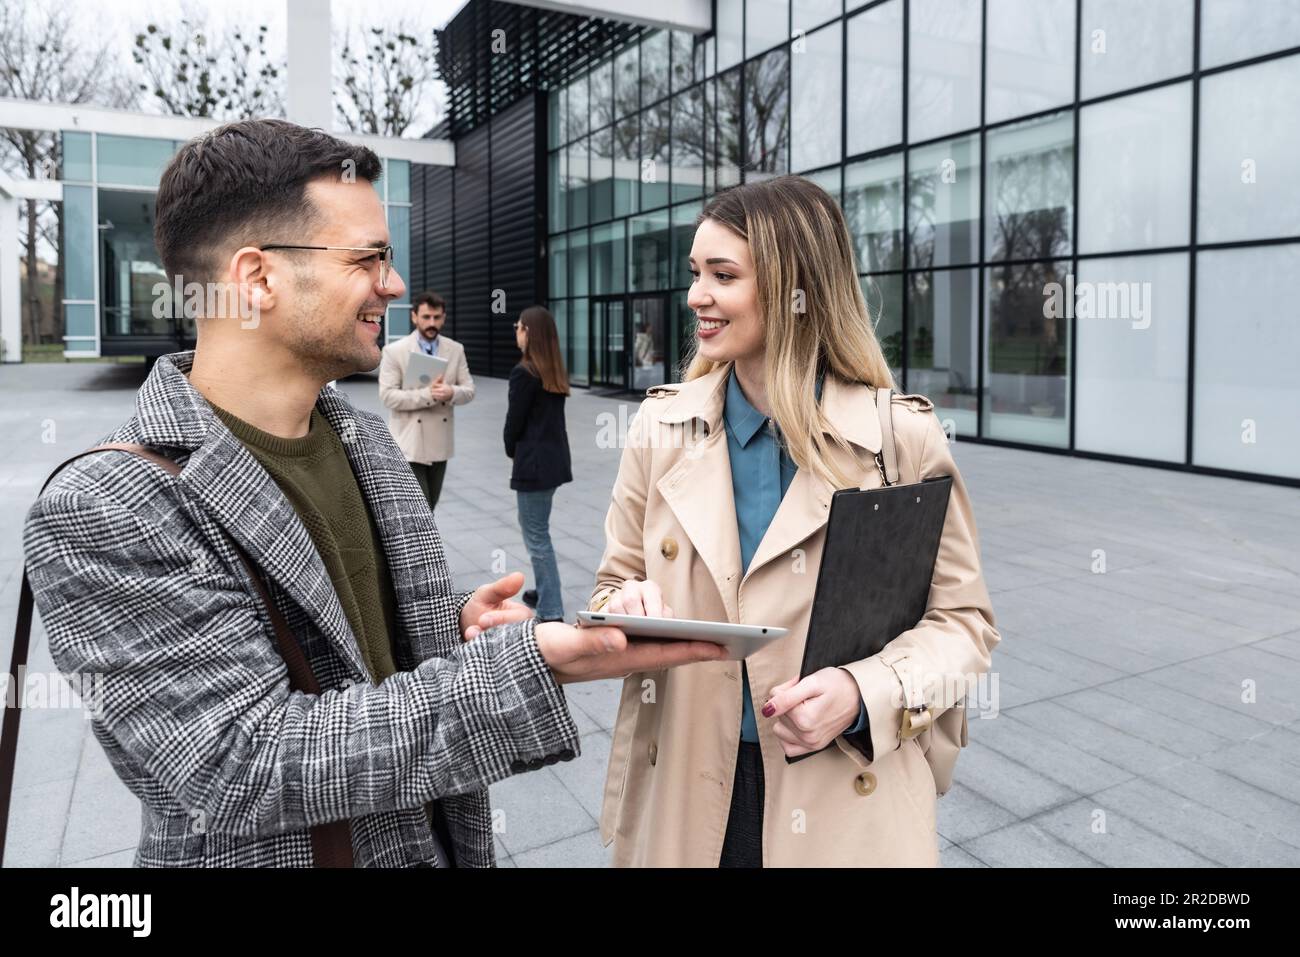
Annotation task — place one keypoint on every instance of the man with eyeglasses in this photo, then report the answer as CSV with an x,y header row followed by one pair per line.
x,y
423,420
352,707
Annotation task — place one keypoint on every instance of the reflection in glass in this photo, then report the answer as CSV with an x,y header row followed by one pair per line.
x,y
1027,365
1135,170
608,259
688,59
875,78
767,24
944,203
579,265
1124,45
75,157
650,251
767,116
1234,30
602,95
627,82
689,155
730,146
576,113
132,160
1131,393
580,324
558,180
884,296
1240,138
129,267
655,162
873,206
555,121
807,14
399,181
79,237
943,346
1030,189
815,96
1247,340
602,175
944,84
685,217
558,255
654,67
627,166
827,179
1030,64
579,174
648,322
729,26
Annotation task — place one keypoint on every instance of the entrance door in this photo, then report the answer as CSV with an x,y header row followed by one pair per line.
x,y
609,354
648,319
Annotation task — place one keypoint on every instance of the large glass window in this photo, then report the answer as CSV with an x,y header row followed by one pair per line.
x,y
556,124
79,236
1027,350
884,296
806,15
815,96
608,259
654,67
873,206
579,264
627,166
767,115
399,180
943,343
558,249
579,176
690,120
655,161
684,219
580,337
1030,189
1030,57
943,185
1239,29
132,160
627,82
77,165
602,95
767,24
1247,340
729,26
944,67
577,115
602,175
1125,44
1135,169
875,78
651,251
1249,172
730,146
558,176
1131,393
688,59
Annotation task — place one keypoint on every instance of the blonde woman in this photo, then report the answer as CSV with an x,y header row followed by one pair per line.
x,y
719,512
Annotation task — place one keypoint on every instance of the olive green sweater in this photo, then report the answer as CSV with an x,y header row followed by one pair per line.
x,y
316,477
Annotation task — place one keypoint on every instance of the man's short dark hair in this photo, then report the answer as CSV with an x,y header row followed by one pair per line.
x,y
244,184
428,298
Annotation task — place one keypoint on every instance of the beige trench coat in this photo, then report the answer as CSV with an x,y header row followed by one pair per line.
x,y
423,427
672,759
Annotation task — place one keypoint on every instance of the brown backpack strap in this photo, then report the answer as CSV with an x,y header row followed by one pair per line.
x,y
331,843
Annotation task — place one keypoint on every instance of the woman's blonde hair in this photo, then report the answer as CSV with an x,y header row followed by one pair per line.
x,y
811,305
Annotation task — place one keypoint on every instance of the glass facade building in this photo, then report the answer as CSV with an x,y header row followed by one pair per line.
x,y
110,262
1074,219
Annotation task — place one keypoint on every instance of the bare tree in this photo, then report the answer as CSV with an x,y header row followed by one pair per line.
x,y
189,71
42,58
383,77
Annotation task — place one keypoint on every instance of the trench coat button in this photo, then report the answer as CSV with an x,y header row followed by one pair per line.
x,y
865,783
668,548
654,753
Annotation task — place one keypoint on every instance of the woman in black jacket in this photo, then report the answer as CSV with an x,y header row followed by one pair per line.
x,y
537,440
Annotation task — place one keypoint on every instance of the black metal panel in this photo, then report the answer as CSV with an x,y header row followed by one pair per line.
x,y
469,306
515,235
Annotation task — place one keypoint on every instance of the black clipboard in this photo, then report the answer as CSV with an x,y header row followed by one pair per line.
x,y
876,567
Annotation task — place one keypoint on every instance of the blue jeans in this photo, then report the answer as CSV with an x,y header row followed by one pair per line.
x,y
535,520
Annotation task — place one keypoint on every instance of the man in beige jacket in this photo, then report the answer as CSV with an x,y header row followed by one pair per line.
x,y
422,420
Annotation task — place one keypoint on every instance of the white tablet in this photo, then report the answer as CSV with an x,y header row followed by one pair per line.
x,y
740,640
422,369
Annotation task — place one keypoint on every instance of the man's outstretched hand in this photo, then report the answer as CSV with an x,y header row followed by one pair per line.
x,y
491,606
593,653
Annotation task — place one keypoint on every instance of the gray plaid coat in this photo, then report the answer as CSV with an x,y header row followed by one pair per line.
x,y
135,579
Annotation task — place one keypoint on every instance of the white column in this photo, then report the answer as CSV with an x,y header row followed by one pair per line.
x,y
310,83
11,323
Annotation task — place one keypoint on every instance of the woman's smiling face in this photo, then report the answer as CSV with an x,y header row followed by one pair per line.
x,y
724,295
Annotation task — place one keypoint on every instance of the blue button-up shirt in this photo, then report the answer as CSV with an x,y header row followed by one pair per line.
x,y
427,347
761,471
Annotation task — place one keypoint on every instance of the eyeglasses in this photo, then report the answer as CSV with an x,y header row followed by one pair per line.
x,y
385,254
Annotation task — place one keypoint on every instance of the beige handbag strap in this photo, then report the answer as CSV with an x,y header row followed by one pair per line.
x,y
887,457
